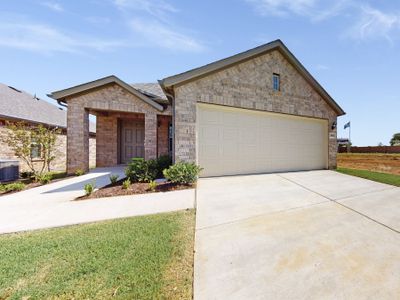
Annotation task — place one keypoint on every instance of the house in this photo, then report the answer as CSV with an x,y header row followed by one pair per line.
x,y
254,112
19,106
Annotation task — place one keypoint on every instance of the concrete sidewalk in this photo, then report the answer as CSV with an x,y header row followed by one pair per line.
x,y
52,205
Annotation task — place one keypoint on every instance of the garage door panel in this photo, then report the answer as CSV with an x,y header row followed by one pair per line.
x,y
238,141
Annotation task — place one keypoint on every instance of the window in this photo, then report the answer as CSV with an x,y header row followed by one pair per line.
x,y
36,150
276,82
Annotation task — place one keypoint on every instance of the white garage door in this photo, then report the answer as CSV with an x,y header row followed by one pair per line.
x,y
238,141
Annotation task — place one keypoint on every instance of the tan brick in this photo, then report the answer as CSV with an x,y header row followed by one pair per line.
x,y
249,85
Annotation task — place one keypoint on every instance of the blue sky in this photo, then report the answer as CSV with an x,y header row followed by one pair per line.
x,y
351,47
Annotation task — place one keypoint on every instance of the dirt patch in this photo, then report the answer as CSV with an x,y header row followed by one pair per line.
x,y
113,190
384,163
178,275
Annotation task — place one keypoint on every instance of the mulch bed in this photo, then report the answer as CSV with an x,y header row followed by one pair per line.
x,y
29,184
27,187
113,190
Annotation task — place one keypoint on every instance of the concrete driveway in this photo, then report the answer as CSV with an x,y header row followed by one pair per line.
x,y
303,235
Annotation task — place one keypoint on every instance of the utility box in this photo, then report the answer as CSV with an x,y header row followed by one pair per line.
x,y
9,170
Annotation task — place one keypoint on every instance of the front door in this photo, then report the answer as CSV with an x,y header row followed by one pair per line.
x,y
132,140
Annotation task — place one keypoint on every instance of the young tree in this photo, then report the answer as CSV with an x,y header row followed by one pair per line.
x,y
23,138
395,141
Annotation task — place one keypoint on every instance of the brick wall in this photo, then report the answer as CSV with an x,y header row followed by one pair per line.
x,y
162,135
115,102
58,164
107,143
249,85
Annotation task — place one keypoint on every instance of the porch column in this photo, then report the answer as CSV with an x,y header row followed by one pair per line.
x,y
150,135
77,138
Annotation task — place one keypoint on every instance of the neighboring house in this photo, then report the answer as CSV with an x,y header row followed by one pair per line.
x,y
19,106
254,112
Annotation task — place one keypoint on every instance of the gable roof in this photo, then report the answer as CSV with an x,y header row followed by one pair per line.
x,y
19,105
197,73
61,95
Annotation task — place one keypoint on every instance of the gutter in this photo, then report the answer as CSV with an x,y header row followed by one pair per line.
x,y
62,104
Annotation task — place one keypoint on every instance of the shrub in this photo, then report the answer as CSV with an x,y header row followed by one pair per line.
x,y
114,178
163,162
45,178
15,186
89,188
79,172
182,173
140,170
152,186
126,184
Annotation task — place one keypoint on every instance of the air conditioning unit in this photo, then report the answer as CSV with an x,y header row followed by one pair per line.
x,y
9,170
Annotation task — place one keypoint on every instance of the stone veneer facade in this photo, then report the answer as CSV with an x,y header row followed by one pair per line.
x,y
249,85
108,103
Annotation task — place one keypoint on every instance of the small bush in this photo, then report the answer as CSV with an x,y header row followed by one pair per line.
x,y
89,188
163,162
44,178
182,173
27,175
15,186
126,184
152,186
114,178
79,172
140,170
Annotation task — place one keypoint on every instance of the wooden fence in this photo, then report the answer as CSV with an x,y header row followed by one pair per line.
x,y
373,149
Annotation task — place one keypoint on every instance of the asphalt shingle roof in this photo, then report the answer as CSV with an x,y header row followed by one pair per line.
x,y
18,104
152,90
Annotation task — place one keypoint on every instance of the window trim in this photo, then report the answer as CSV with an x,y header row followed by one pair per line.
x,y
278,77
39,151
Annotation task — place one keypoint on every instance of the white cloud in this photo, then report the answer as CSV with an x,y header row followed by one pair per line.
x,y
151,20
159,34
282,7
374,23
157,8
45,39
322,67
53,6
366,22
315,10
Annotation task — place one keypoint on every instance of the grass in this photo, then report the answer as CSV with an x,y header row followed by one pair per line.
x,y
149,257
375,176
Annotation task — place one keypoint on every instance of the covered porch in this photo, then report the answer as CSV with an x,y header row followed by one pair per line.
x,y
122,136
129,123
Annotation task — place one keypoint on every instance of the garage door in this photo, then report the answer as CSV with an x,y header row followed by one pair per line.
x,y
234,141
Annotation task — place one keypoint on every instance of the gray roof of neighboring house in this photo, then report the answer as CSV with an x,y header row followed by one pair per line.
x,y
152,90
20,105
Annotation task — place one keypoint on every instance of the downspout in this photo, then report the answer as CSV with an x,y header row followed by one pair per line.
x,y
172,98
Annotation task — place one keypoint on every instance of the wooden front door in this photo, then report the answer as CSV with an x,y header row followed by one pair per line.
x,y
132,140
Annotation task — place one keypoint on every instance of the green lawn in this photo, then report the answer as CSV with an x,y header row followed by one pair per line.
x,y
375,176
147,257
